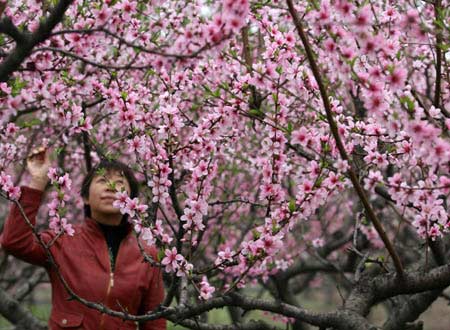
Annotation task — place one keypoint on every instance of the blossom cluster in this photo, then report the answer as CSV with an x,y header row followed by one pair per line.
x,y
137,214
7,186
174,262
58,221
233,142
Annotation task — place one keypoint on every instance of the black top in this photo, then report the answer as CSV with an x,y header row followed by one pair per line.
x,y
114,235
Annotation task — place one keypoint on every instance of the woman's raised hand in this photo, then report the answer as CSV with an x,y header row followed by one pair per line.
x,y
38,163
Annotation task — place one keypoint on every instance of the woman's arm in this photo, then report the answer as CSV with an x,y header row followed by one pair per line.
x,y
17,237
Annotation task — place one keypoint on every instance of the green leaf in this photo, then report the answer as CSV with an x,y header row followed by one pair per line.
x,y
275,97
185,21
155,37
256,234
112,185
275,229
291,205
17,85
444,47
319,181
256,113
322,117
207,90
150,72
160,255
60,194
59,150
101,172
30,123
408,103
289,127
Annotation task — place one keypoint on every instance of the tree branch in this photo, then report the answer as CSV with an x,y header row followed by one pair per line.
x,y
23,49
334,130
30,284
7,27
410,310
439,43
12,310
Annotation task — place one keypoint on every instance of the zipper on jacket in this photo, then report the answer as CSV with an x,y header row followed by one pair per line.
x,y
111,279
108,291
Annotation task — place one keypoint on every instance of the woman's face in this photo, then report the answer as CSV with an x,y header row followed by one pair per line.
x,y
102,195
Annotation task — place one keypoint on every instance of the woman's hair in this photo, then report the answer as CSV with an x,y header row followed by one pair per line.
x,y
106,166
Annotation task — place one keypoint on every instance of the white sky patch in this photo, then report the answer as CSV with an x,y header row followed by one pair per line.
x,y
254,28
205,11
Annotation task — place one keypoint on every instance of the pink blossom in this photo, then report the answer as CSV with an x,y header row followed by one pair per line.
x,y
373,179
102,15
206,290
224,255
65,182
342,165
53,174
299,136
13,192
363,18
7,186
148,236
66,227
397,78
410,19
318,242
121,199
185,268
171,260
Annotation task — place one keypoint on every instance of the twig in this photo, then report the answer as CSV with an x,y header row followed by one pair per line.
x,y
334,130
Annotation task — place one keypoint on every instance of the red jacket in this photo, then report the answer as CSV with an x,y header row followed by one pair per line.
x,y
83,260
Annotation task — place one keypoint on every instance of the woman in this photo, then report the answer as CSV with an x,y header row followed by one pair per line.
x,y
101,262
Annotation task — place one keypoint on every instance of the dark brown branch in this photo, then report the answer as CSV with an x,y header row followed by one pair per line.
x,y
23,49
23,112
301,267
179,212
246,49
143,49
334,130
64,52
410,310
85,135
439,44
7,27
252,325
365,295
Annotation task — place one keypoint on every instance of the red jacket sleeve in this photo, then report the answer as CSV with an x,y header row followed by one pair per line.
x,y
17,238
152,298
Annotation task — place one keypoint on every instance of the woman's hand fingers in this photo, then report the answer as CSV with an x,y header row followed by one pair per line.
x,y
40,154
